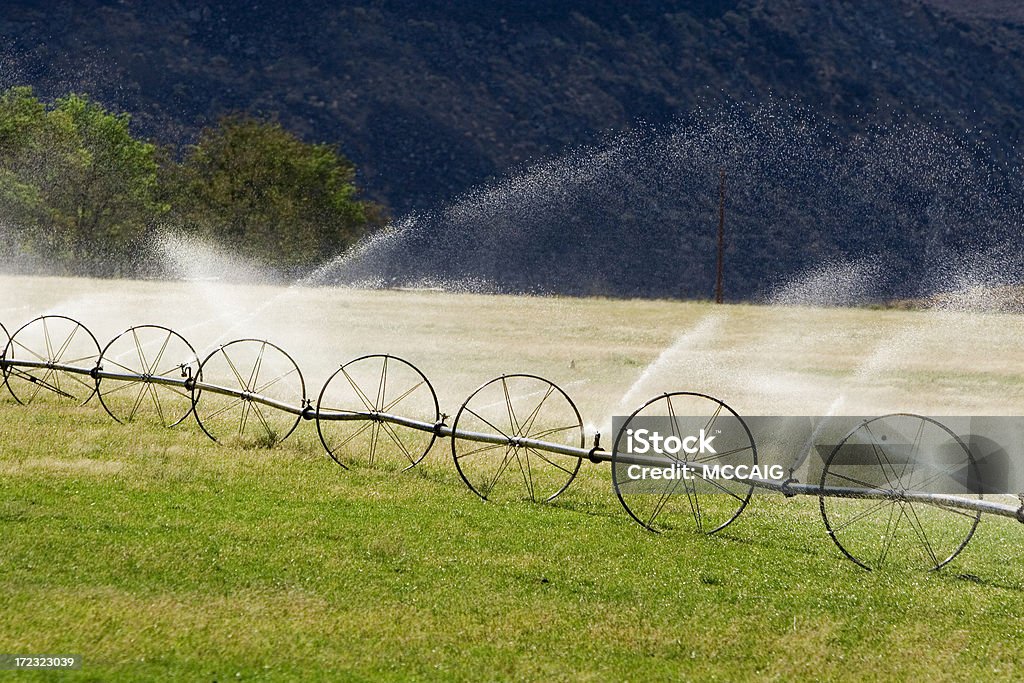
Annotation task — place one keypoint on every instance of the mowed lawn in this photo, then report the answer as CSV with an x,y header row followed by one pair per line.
x,y
159,555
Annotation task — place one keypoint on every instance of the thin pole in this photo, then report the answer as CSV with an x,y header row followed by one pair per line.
x,y
721,236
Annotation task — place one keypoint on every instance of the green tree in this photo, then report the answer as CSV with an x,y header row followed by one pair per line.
x,y
77,188
22,117
22,126
258,189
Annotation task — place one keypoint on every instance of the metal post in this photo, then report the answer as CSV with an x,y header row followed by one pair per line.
x,y
721,236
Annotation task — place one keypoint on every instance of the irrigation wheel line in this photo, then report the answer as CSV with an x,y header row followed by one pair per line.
x,y
251,390
149,357
710,504
522,409
53,343
365,388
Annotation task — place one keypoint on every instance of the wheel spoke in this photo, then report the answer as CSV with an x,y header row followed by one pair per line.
x,y
862,514
246,409
254,376
64,347
359,392
912,461
501,470
532,417
527,477
660,504
75,378
549,432
720,486
174,370
379,404
160,355
46,339
15,342
945,508
374,436
880,454
120,386
352,436
675,457
489,447
488,423
261,389
543,457
175,390
890,531
390,430
231,406
72,361
866,485
514,425
389,407
691,486
271,434
130,371
138,402
723,454
941,473
922,534
714,417
231,365
140,352
156,402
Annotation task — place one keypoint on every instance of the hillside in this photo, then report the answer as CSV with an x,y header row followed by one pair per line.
x,y
432,98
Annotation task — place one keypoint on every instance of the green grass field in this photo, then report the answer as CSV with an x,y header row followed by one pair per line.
x,y
159,555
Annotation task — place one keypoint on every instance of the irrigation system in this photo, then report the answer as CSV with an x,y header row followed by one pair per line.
x,y
881,502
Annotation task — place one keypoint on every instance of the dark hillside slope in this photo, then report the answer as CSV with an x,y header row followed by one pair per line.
x,y
432,98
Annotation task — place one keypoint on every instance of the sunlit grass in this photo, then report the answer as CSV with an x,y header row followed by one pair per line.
x,y
157,554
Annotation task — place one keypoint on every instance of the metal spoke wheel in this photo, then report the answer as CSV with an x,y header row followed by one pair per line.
x,y
689,496
353,397
157,363
890,456
513,408
4,338
241,382
52,340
